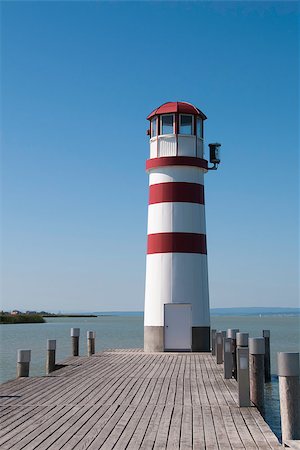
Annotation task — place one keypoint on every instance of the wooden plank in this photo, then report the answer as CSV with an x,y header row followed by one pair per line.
x,y
220,429
264,427
163,428
175,428
207,384
42,438
131,427
173,382
179,382
200,383
209,429
74,434
230,428
222,393
198,429
15,416
151,432
242,429
255,431
166,382
116,431
228,387
23,432
186,436
93,427
139,433
100,433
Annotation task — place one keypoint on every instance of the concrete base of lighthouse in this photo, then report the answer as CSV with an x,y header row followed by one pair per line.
x,y
154,339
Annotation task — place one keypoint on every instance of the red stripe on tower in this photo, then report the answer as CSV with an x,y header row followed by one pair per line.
x,y
176,192
176,243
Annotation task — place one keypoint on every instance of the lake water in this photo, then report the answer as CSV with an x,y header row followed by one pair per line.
x,y
127,332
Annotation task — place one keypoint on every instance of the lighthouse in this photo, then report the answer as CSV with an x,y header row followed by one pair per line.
x,y
176,314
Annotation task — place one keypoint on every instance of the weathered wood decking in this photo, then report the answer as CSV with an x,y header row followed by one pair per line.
x,y
127,399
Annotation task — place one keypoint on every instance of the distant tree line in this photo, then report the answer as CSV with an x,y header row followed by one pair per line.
x,y
6,317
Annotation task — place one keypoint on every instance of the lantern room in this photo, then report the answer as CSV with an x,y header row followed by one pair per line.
x,y
176,129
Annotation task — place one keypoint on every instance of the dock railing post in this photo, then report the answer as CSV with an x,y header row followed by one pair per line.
x,y
213,342
219,347
75,333
257,372
91,342
50,358
289,395
23,363
227,349
266,335
231,333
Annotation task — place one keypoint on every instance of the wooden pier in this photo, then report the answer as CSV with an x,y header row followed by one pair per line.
x,y
126,399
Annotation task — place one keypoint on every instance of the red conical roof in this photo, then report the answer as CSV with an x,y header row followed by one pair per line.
x,y
177,107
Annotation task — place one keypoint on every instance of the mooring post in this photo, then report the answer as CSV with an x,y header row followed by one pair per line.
x,y
289,395
91,342
75,333
223,337
227,349
257,372
242,354
50,358
266,335
213,342
219,347
231,333
23,363
242,339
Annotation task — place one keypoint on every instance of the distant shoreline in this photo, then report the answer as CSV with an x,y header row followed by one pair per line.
x,y
69,315
7,319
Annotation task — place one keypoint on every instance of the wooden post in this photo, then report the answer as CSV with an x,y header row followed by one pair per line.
x,y
50,359
213,342
219,347
91,342
257,372
227,349
75,333
289,395
23,363
266,335
242,339
231,333
242,354
223,337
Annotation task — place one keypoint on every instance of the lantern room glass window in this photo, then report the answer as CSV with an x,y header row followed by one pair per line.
x,y
185,124
167,124
153,127
199,127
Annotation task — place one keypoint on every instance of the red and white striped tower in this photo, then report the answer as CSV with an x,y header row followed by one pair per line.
x,y
176,315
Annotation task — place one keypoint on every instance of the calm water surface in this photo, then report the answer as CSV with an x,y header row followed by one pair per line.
x,y
127,332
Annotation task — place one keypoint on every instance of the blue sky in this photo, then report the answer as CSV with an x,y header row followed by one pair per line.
x,y
78,80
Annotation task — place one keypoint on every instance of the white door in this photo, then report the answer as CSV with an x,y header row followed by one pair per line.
x,y
178,326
